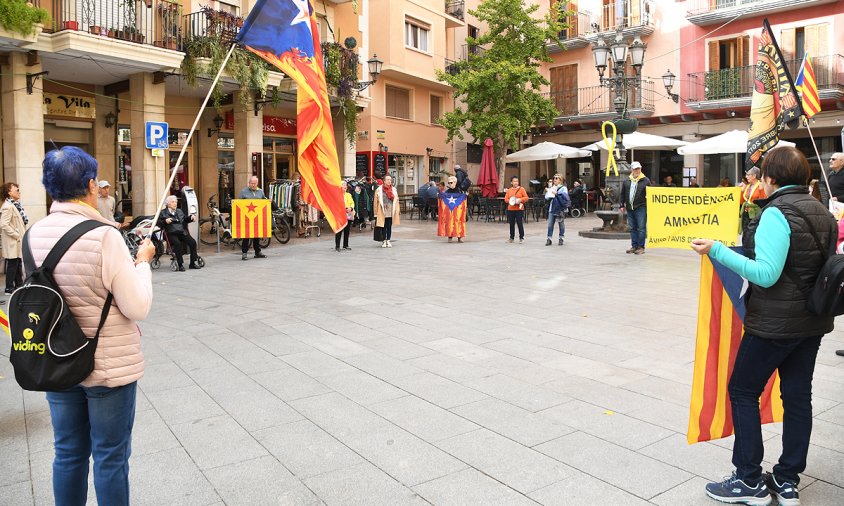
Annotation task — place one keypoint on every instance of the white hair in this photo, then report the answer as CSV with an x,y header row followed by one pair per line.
x,y
170,198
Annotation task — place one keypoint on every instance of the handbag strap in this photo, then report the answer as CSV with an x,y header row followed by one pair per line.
x,y
804,287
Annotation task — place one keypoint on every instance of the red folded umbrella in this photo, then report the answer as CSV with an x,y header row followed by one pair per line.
x,y
488,175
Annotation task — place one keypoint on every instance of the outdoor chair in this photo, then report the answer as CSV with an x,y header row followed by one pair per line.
x,y
418,207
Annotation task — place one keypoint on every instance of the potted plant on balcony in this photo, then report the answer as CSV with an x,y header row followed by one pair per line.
x,y
22,19
95,29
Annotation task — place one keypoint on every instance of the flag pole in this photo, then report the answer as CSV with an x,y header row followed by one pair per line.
x,y
190,136
815,145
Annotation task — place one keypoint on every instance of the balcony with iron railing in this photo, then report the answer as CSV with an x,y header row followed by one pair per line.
x,y
596,102
152,22
573,37
634,17
733,87
708,12
455,8
468,51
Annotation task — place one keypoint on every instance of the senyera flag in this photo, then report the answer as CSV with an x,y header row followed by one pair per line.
x,y
284,33
452,215
4,322
774,103
808,87
251,218
719,331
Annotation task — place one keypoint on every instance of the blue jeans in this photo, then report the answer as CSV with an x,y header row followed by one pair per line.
x,y
638,221
94,420
756,360
561,219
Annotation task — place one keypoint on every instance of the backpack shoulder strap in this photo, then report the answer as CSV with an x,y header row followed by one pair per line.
x,y
814,233
66,241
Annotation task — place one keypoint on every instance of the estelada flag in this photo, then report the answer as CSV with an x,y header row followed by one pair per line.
x,y
720,314
774,104
807,85
284,33
251,218
451,213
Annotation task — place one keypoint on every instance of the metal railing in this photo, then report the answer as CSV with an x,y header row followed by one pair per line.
x,y
738,82
467,51
579,26
624,14
694,7
593,100
211,23
156,22
455,8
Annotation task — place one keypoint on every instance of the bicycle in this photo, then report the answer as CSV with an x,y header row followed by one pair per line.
x,y
281,228
209,227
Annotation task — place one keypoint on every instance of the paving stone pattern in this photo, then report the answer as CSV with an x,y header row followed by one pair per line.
x,y
429,373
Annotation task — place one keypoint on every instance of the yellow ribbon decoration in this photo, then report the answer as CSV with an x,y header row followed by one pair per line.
x,y
610,143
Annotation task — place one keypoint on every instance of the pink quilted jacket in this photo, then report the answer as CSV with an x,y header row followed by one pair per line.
x,y
95,265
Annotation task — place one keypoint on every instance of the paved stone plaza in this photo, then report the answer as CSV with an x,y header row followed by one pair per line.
x,y
476,373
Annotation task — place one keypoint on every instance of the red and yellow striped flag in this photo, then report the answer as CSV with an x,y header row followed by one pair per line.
x,y
251,218
807,85
719,331
4,323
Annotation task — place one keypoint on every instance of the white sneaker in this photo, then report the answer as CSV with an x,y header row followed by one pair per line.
x,y
384,244
389,244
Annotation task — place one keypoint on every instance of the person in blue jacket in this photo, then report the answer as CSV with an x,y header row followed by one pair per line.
x,y
780,259
557,208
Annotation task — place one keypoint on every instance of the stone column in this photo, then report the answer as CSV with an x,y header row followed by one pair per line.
x,y
104,140
149,175
248,139
697,162
23,134
207,174
345,153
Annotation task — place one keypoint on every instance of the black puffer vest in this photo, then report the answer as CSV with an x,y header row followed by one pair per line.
x,y
779,312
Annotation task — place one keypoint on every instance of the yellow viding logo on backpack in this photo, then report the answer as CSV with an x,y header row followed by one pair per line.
x,y
34,318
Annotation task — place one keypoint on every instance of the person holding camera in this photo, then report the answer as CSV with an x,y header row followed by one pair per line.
x,y
175,224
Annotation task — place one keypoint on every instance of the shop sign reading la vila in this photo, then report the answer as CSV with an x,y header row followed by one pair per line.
x,y
56,104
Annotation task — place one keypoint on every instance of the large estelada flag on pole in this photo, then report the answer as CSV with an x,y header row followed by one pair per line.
x,y
720,314
251,218
807,85
451,215
284,33
774,104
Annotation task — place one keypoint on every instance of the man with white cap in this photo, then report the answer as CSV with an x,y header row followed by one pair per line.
x,y
633,199
105,202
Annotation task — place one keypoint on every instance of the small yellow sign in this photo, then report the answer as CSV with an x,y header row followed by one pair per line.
x,y
678,215
73,106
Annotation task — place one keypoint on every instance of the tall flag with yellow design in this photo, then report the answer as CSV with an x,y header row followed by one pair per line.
x,y
251,218
774,104
807,85
284,33
720,314
451,215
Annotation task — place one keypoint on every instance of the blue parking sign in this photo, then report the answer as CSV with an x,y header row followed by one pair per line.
x,y
156,135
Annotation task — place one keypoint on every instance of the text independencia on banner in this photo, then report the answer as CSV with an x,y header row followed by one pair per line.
x,y
678,215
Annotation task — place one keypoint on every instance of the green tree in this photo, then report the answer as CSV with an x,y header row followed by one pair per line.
x,y
497,87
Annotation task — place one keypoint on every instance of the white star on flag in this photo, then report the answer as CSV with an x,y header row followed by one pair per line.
x,y
304,15
452,200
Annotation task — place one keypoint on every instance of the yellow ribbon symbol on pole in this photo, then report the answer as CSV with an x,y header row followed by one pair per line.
x,y
609,141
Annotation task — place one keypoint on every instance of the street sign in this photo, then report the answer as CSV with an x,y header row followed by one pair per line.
x,y
156,135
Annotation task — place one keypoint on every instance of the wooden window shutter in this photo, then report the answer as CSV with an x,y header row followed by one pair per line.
x,y
812,39
788,44
714,58
743,51
635,14
817,40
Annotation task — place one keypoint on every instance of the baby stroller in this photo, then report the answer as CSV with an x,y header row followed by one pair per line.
x,y
578,202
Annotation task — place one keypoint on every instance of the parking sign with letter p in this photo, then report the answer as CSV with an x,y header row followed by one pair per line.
x,y
156,135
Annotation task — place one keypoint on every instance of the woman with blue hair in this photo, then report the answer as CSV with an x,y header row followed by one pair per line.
x,y
96,416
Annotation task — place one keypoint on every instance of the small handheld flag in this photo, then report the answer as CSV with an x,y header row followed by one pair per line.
x,y
807,85
251,218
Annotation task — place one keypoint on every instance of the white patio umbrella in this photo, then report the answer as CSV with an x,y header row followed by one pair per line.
x,y
546,151
641,140
734,141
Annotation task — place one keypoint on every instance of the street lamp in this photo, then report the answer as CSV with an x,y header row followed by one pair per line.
x,y
668,82
374,65
218,124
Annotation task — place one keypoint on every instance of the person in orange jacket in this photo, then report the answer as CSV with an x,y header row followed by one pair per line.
x,y
750,192
516,197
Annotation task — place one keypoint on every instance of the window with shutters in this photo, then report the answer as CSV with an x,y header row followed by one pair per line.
x,y
436,108
795,42
564,89
730,72
398,102
416,34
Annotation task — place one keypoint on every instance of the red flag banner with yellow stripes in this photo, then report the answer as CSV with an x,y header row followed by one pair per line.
x,y
807,85
720,314
251,218
451,220
4,322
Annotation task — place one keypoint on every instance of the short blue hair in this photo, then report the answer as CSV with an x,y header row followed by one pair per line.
x,y
67,172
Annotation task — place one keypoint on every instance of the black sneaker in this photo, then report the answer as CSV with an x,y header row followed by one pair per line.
x,y
560,241
260,255
735,491
786,492
181,268
548,242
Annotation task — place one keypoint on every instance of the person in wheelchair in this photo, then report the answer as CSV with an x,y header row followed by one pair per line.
x,y
578,196
175,224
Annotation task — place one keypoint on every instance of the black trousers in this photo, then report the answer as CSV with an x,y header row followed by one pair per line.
x,y
178,243
345,234
244,245
516,218
388,228
14,273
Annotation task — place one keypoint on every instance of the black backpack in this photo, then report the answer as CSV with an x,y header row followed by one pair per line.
x,y
826,296
49,351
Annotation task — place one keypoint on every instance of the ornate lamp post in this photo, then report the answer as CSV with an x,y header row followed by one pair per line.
x,y
620,83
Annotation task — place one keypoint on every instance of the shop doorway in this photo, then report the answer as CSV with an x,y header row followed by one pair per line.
x,y
182,178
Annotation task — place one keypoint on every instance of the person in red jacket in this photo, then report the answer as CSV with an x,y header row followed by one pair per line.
x,y
516,197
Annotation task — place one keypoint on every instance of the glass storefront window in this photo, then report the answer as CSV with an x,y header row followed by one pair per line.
x,y
279,159
225,173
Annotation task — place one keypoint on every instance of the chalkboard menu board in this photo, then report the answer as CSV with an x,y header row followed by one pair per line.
x,y
380,165
361,165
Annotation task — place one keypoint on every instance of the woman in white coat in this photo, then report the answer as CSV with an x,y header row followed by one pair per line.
x,y
13,222
387,209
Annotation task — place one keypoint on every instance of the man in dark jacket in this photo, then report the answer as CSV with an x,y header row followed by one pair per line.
x,y
633,198
463,182
175,224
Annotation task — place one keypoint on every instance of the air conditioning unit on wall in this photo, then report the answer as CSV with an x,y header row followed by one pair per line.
x,y
527,139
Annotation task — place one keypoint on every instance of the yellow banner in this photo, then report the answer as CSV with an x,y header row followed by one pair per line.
x,y
678,215
59,104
